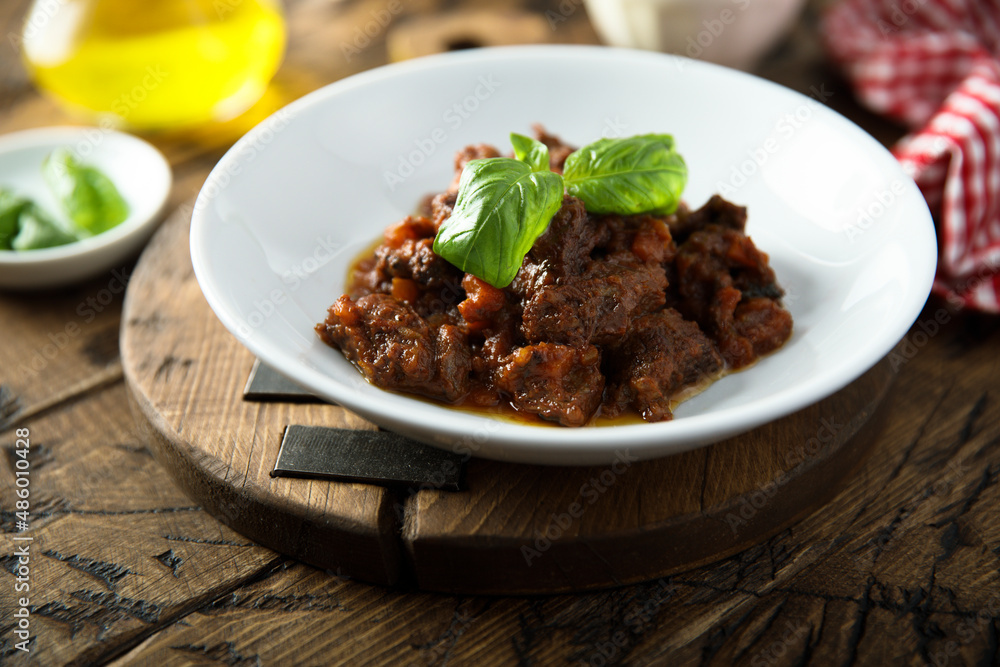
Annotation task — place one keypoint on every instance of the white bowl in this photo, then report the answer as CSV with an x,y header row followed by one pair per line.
x,y
286,211
138,170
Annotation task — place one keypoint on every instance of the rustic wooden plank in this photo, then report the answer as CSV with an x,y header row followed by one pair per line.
x,y
529,529
810,595
87,458
186,374
902,607
117,549
299,603
70,343
882,590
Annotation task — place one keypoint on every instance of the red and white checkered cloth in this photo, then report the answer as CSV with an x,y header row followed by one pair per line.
x,y
934,65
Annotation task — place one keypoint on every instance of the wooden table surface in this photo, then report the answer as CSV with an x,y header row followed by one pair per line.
x,y
901,567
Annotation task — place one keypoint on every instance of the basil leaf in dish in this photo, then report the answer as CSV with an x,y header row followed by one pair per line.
x,y
11,207
501,208
89,197
38,230
530,151
638,174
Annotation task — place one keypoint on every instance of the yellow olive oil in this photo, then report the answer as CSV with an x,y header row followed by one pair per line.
x,y
155,64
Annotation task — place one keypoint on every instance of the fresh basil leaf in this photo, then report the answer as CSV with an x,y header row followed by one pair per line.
x,y
502,207
627,176
11,207
530,151
39,231
89,197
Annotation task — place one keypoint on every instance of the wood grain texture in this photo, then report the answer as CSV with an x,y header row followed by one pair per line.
x,y
64,349
112,537
186,382
900,568
464,29
528,529
517,528
894,585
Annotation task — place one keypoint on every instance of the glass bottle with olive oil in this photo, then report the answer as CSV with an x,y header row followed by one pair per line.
x,y
155,64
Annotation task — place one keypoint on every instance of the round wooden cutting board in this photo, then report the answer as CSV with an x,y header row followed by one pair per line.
x,y
515,528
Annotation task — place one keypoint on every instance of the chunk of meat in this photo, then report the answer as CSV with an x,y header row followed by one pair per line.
x,y
647,237
482,303
716,211
453,361
406,266
556,382
764,323
532,276
467,155
441,207
410,228
395,348
566,244
558,149
662,356
417,261
716,270
596,307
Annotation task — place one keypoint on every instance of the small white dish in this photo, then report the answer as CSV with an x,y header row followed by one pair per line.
x,y
139,171
288,209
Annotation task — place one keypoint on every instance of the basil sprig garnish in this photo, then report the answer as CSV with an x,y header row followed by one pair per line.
x,y
505,204
531,151
627,176
87,195
502,207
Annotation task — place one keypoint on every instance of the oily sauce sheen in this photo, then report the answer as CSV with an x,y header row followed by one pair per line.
x,y
609,319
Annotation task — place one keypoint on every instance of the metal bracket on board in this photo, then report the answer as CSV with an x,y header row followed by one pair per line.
x,y
373,457
370,457
268,385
